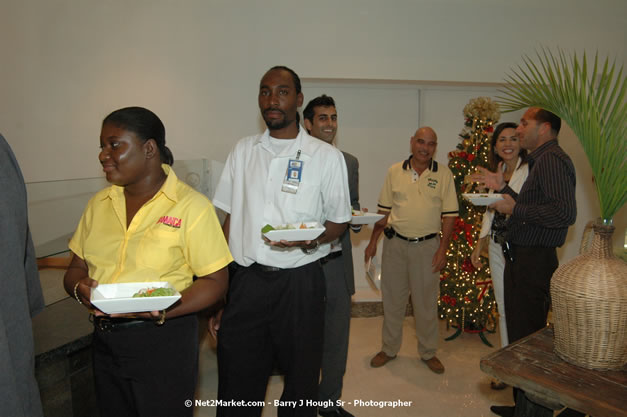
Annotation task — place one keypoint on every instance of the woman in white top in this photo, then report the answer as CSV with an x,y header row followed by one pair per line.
x,y
506,155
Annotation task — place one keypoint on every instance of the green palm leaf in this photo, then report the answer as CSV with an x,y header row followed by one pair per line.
x,y
591,100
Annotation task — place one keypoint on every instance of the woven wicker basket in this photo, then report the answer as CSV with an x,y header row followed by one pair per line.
x,y
589,296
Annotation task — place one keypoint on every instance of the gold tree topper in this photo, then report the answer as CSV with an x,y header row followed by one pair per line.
x,y
482,108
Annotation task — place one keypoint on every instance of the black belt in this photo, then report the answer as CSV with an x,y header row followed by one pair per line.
x,y
265,268
110,324
330,257
390,233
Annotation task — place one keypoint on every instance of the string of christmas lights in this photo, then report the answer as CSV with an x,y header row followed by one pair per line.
x,y
466,296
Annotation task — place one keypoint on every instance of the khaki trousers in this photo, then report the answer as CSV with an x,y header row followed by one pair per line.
x,y
406,268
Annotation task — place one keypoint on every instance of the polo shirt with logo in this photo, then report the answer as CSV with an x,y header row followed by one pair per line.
x,y
172,237
417,202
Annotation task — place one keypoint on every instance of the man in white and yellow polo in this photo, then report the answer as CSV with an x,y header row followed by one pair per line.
x,y
418,200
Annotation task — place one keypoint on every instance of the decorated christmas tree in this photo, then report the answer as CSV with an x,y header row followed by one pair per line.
x,y
466,296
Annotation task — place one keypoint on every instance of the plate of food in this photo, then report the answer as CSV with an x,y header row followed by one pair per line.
x,y
364,217
134,297
482,199
293,231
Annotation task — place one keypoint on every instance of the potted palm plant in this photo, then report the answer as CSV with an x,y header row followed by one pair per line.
x,y
589,293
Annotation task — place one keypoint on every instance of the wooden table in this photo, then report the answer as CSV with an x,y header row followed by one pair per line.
x,y
532,365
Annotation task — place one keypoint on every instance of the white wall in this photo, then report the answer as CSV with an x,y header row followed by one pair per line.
x,y
197,63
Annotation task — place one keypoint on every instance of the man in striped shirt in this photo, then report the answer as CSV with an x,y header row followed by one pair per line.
x,y
540,216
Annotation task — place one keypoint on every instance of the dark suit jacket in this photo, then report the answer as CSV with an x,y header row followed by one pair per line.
x,y
352,166
19,279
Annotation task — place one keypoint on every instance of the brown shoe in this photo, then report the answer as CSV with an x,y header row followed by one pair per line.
x,y
380,359
435,365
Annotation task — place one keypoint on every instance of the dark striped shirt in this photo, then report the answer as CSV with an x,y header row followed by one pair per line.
x,y
546,204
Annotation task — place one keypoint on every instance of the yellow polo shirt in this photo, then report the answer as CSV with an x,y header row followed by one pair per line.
x,y
172,237
417,202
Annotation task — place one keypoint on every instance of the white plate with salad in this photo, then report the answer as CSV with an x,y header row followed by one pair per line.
x,y
134,297
293,231
364,217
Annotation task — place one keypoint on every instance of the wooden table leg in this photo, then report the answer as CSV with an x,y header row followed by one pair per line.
x,y
527,408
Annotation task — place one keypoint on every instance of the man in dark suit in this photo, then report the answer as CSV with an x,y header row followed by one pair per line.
x,y
19,280
320,118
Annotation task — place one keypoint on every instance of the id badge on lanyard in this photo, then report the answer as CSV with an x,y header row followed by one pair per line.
x,y
293,175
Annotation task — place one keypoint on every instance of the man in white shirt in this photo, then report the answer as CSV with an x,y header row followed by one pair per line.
x,y
275,303
320,118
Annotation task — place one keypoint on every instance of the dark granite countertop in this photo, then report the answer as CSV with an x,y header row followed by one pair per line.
x,y
62,328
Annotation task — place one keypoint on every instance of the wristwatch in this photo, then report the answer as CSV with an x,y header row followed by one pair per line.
x,y
311,250
161,318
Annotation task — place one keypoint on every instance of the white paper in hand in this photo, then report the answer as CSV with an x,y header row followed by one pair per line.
x,y
373,271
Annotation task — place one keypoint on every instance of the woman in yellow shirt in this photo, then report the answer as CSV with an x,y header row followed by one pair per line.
x,y
147,226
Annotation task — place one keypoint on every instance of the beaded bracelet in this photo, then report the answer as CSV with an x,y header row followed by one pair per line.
x,y
76,293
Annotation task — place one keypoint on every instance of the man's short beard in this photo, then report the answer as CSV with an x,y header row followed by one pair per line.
x,y
276,124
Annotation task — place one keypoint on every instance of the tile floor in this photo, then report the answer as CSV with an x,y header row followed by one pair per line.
x,y
463,390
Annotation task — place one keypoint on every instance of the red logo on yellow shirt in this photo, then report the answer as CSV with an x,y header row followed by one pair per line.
x,y
170,221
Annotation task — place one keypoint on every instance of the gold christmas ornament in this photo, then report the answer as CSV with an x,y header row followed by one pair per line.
x,y
482,109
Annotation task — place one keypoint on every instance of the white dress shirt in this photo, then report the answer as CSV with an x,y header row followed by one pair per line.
x,y
250,191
